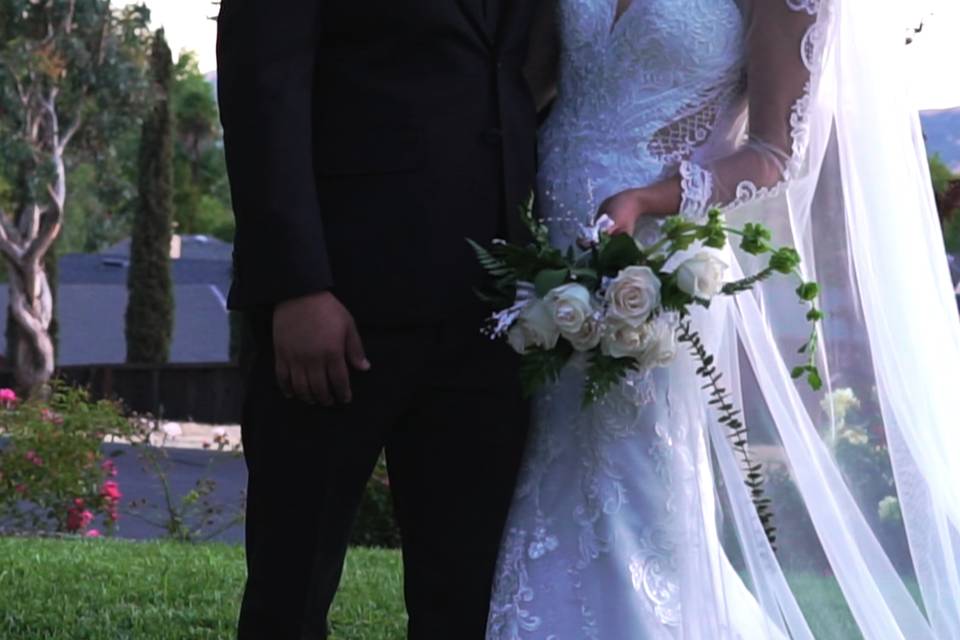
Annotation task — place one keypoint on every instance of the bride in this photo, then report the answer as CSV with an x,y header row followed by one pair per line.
x,y
631,520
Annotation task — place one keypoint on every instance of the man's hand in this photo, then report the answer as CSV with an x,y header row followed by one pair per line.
x,y
314,339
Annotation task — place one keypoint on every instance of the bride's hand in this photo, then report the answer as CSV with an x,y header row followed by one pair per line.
x,y
624,209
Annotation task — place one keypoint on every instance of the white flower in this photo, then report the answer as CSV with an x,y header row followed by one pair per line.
x,y
633,295
589,335
662,344
570,307
621,340
701,276
172,430
534,328
842,401
219,432
856,437
653,344
889,509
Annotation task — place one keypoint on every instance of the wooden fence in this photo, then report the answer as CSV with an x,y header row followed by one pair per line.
x,y
208,392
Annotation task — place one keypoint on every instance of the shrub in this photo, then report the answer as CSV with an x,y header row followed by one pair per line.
x,y
375,525
53,476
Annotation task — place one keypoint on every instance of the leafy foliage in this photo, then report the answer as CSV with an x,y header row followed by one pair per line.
x,y
729,416
51,458
603,374
541,367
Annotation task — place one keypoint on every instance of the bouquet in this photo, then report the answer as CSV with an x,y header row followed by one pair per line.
x,y
626,308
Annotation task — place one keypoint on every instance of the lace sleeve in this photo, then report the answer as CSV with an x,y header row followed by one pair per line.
x,y
782,53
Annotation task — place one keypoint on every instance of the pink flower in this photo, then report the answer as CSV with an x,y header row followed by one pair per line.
x,y
51,416
20,488
32,456
77,519
93,533
111,490
109,468
79,502
7,397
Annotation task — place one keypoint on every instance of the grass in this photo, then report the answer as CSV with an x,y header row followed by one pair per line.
x,y
92,589
89,589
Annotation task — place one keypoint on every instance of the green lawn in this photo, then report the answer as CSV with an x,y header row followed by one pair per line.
x,y
117,590
87,589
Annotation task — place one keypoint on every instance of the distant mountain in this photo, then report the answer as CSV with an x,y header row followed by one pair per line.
x,y
942,129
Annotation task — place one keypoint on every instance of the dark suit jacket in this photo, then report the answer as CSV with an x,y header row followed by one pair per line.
x,y
365,139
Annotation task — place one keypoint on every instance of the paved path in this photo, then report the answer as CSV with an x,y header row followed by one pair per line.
x,y
184,467
184,461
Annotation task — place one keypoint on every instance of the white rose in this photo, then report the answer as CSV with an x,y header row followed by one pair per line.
x,y
621,340
653,344
570,307
588,337
534,328
701,276
662,344
633,295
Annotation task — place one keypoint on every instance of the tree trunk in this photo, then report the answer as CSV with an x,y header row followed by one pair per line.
x,y
32,315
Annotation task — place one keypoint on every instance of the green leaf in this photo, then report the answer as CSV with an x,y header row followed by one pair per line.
x,y
756,239
798,372
808,291
539,367
549,279
814,379
493,265
785,260
620,252
815,315
587,277
603,374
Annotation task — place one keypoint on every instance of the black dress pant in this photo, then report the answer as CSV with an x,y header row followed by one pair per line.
x,y
445,404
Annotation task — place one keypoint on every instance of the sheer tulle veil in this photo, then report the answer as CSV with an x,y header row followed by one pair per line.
x,y
865,475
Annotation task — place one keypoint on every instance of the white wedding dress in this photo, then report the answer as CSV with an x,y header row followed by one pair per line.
x,y
627,515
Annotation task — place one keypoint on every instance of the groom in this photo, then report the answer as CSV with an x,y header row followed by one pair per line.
x,y
365,141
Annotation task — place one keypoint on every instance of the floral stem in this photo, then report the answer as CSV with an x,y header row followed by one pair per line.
x,y
730,417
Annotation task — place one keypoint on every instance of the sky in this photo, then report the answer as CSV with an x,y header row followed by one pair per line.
x,y
188,27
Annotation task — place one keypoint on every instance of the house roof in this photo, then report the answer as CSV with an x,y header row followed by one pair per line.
x,y
111,269
92,303
91,324
194,247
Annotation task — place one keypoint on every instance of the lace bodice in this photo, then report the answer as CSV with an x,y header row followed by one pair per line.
x,y
664,90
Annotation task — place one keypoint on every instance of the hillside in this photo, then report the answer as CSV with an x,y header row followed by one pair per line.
x,y
942,130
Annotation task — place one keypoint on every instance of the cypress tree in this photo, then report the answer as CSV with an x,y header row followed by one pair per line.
x,y
149,317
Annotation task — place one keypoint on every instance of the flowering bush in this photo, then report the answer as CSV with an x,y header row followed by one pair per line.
x,y
197,515
52,473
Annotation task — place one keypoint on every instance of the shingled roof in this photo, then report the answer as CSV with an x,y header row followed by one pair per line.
x,y
92,302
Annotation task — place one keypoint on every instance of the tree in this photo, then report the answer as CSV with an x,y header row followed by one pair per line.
x,y
68,71
946,188
202,196
149,316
